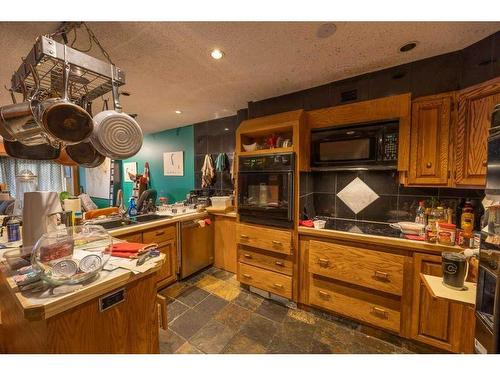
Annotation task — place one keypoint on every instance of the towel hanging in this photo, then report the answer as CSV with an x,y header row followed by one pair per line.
x,y
207,172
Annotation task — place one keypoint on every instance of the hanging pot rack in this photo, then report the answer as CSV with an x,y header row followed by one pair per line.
x,y
90,77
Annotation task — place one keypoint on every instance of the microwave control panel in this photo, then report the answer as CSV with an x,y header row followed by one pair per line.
x,y
391,146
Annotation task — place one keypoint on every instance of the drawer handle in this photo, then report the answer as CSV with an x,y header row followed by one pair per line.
x,y
380,312
428,165
485,163
248,256
278,263
278,286
243,236
277,242
247,276
323,262
381,275
160,233
323,294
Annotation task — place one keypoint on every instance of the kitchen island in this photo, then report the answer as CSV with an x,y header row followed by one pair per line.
x,y
115,313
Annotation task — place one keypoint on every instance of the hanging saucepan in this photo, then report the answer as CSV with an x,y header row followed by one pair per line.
x,y
85,155
18,120
37,152
116,134
63,119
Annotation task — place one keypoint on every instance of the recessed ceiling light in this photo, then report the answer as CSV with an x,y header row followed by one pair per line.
x,y
217,54
408,46
178,112
226,129
325,30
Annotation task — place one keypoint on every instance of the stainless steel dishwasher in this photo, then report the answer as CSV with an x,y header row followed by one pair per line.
x,y
196,250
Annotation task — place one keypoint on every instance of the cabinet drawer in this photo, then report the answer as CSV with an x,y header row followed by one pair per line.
x,y
278,263
134,237
368,268
368,307
273,282
279,241
160,234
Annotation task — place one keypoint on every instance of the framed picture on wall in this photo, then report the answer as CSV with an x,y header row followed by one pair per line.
x,y
173,163
129,167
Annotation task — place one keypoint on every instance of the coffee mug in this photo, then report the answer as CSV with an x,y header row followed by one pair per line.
x,y
455,270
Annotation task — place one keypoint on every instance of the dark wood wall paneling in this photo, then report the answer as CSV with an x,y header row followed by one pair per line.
x,y
474,64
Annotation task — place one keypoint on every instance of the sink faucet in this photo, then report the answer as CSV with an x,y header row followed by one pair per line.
x,y
122,211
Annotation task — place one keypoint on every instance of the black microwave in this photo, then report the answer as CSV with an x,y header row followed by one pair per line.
x,y
364,146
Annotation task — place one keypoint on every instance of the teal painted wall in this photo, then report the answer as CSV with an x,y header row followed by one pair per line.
x,y
174,188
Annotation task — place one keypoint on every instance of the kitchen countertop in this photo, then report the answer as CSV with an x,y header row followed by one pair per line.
x,y
156,223
226,214
372,239
52,301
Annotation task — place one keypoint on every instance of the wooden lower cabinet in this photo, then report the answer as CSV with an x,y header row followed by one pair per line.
x,y
443,324
166,238
167,274
225,243
266,280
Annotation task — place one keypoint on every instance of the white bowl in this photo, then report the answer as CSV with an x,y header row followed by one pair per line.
x,y
251,147
319,224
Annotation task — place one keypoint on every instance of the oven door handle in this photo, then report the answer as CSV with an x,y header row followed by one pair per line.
x,y
290,196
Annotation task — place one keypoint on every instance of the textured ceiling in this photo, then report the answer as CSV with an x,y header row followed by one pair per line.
x,y
169,68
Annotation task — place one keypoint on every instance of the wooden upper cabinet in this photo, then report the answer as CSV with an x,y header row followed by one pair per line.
x,y
431,120
475,105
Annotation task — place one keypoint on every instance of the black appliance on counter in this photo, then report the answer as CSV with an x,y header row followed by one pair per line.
x,y
487,334
355,147
265,189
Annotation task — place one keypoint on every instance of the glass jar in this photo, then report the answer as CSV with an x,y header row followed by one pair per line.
x,y
72,255
446,234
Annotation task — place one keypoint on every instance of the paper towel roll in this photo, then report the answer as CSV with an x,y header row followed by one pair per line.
x,y
73,204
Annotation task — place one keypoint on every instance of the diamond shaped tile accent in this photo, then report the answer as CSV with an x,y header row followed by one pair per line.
x,y
357,195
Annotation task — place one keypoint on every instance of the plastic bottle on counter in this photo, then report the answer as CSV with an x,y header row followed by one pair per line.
x,y
467,225
132,209
420,217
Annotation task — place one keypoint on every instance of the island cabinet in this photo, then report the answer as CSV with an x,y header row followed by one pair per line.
x,y
265,258
435,321
380,285
166,238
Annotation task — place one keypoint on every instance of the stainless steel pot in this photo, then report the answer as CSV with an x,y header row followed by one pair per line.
x,y
63,119
116,134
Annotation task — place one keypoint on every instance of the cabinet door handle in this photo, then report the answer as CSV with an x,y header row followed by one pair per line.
x,y
247,276
323,262
429,164
248,256
278,286
276,242
381,275
380,312
243,236
485,163
323,294
279,263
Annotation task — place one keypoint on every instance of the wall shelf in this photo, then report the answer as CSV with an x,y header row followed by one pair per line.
x,y
267,151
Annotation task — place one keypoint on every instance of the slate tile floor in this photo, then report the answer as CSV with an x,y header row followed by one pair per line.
x,y
210,313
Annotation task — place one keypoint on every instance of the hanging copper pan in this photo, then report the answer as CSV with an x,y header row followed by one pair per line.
x,y
64,159
38,152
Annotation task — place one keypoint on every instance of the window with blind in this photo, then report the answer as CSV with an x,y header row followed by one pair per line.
x,y
51,176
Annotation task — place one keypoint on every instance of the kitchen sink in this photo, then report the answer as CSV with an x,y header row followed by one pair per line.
x,y
148,217
112,224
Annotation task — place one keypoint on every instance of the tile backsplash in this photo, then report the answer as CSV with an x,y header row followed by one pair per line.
x,y
318,196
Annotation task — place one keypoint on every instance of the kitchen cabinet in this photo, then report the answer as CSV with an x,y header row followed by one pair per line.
x,y
431,121
225,243
437,322
475,105
166,238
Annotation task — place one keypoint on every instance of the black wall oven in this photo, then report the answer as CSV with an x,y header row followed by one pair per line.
x,y
265,189
368,146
